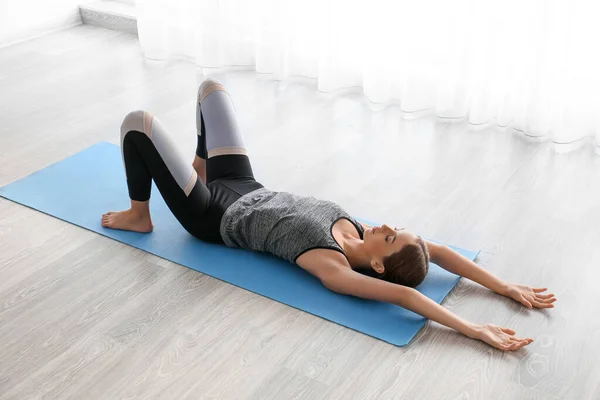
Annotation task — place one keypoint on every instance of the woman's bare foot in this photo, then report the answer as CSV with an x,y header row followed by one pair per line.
x,y
128,221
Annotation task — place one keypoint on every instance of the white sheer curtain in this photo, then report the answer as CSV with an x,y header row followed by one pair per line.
x,y
533,65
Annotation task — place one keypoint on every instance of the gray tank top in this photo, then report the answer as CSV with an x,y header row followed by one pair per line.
x,y
283,224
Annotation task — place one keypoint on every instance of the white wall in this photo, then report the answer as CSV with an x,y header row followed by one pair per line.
x,y
24,19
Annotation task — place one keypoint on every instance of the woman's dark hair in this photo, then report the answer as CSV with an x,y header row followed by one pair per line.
x,y
408,266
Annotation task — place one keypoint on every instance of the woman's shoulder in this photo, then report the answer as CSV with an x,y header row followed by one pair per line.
x,y
316,261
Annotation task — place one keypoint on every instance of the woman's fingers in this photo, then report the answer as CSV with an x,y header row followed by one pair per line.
x,y
507,331
544,296
542,305
504,339
516,344
526,302
539,290
526,341
521,341
536,301
521,344
511,346
549,300
505,345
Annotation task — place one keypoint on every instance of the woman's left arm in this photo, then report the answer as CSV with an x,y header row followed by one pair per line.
x,y
456,263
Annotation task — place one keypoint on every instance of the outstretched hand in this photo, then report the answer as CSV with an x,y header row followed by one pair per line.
x,y
501,338
530,297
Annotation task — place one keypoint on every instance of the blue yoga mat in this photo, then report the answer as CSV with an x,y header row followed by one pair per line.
x,y
82,187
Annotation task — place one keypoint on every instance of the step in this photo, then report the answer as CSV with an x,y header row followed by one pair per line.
x,y
110,14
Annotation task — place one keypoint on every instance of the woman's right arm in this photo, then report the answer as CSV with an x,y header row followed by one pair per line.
x,y
344,280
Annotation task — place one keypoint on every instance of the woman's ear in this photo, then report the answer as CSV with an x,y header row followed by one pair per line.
x,y
377,266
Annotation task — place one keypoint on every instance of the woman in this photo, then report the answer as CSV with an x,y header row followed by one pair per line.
x,y
218,200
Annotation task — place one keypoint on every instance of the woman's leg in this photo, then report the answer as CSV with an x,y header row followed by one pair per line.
x,y
220,153
199,163
149,154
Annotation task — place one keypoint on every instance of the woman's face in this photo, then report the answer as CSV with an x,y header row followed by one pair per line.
x,y
383,241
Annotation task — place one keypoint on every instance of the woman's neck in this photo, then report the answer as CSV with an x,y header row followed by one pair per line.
x,y
355,251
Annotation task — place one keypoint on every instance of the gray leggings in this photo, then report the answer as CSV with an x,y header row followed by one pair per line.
x,y
149,154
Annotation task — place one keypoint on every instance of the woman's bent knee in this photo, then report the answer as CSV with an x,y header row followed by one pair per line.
x,y
208,86
140,121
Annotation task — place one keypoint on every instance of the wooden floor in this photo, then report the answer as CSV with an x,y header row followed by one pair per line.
x,y
85,317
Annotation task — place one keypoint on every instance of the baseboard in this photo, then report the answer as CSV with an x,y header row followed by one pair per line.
x,y
111,15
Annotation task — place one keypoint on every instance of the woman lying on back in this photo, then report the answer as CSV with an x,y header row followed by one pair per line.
x,y
217,199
